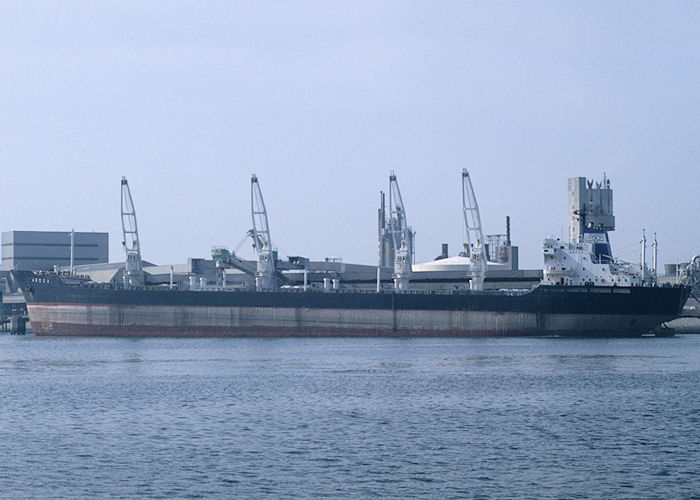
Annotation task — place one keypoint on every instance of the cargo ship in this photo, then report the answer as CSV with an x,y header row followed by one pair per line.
x,y
58,308
584,290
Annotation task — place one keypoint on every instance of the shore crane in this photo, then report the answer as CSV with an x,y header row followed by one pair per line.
x,y
690,274
133,270
402,236
474,245
265,275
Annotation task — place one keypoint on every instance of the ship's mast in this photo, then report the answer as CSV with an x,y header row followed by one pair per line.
x,y
381,229
133,271
402,236
475,236
656,257
265,278
644,257
72,250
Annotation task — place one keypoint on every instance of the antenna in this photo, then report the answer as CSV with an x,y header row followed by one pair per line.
x,y
656,257
644,256
381,229
72,249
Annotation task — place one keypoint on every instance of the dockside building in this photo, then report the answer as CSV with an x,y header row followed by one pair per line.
x,y
42,250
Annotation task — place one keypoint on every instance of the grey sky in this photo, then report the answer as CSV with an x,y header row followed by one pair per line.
x,y
323,99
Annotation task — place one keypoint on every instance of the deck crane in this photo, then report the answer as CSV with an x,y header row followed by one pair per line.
x,y
228,259
474,245
402,236
133,271
265,275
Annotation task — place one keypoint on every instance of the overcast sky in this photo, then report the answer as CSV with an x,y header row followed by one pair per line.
x,y
322,99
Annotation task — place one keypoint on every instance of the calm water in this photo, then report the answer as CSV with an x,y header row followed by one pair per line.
x,y
433,418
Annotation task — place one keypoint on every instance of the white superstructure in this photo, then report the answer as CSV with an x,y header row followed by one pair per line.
x,y
586,259
567,263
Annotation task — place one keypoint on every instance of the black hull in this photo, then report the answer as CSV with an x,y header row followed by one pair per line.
x,y
56,308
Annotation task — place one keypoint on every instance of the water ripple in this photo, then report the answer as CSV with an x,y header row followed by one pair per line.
x,y
357,418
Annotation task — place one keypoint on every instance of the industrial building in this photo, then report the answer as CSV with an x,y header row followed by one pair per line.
x,y
43,250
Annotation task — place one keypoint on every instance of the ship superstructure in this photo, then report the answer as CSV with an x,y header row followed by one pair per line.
x,y
584,263
587,258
